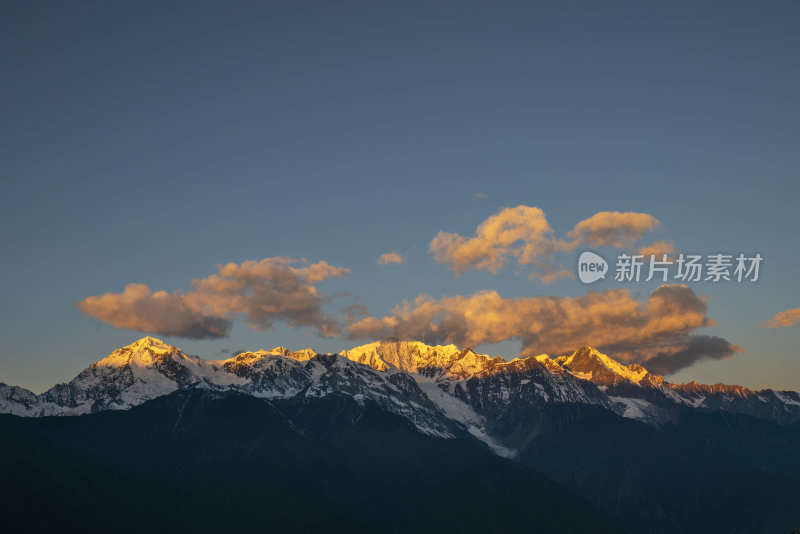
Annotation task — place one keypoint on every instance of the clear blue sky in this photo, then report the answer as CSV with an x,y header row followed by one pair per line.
x,y
150,141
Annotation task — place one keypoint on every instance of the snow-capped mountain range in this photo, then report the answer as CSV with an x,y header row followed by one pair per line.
x,y
443,390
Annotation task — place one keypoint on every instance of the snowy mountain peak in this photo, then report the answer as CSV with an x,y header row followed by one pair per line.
x,y
303,355
143,353
590,364
470,363
252,357
421,382
409,356
149,342
299,355
549,364
693,388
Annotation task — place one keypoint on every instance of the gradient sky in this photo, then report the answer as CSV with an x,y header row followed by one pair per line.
x,y
149,142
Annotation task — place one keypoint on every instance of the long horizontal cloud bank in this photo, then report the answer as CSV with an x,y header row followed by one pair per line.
x,y
524,234
658,330
262,292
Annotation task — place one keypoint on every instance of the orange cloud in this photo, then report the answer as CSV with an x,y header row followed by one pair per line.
x,y
262,292
391,257
612,229
783,319
523,233
611,320
140,309
657,249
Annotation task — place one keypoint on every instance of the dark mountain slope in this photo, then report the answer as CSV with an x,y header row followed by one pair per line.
x,y
704,472
195,460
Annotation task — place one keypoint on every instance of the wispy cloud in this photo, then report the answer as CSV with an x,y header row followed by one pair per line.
x,y
480,195
660,328
783,319
391,257
262,292
523,234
